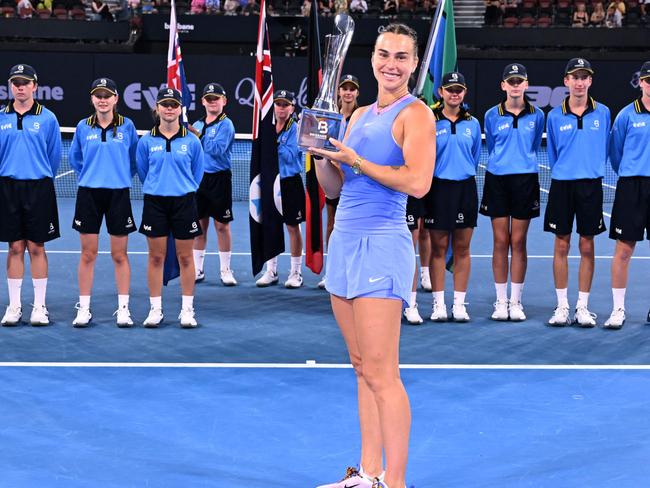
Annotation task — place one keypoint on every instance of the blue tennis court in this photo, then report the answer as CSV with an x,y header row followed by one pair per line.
x,y
261,395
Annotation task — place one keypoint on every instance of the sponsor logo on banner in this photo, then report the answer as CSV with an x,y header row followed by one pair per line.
x,y
43,93
544,96
135,94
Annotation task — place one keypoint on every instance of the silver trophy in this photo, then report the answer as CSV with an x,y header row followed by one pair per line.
x,y
323,120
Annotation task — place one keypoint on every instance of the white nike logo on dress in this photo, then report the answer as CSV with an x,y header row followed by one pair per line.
x,y
373,280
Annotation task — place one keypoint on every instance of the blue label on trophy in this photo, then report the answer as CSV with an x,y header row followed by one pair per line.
x,y
317,126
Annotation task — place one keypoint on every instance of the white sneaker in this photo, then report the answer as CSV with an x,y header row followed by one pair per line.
x,y
560,317
412,315
12,316
439,312
500,310
516,312
199,276
294,280
228,278
425,282
584,318
459,313
154,318
321,283
40,315
616,319
267,279
187,318
83,317
123,317
352,479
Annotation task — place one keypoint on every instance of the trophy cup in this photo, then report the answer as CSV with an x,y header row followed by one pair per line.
x,y
323,120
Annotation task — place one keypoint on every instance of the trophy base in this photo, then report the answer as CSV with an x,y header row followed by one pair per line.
x,y
316,127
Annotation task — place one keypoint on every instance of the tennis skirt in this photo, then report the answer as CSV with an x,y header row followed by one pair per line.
x,y
370,265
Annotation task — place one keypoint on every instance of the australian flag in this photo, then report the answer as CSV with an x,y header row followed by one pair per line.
x,y
266,226
175,79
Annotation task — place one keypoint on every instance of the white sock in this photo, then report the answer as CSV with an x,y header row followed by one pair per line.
x,y
14,285
296,264
424,272
272,265
583,299
84,301
459,297
40,287
224,260
123,301
619,298
439,297
156,302
502,291
412,301
562,298
187,301
515,292
199,258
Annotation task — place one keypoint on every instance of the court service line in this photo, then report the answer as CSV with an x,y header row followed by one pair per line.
x,y
314,365
214,253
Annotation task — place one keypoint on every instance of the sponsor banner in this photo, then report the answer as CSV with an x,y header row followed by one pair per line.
x,y
65,82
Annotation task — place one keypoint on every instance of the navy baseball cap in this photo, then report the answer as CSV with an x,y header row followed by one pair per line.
x,y
285,95
214,89
577,64
349,79
103,84
645,71
515,70
24,71
169,94
453,79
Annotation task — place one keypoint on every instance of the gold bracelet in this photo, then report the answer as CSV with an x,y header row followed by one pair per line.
x,y
356,166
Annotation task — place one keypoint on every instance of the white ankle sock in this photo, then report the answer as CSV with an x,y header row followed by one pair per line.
x,y
515,292
156,302
502,291
296,264
14,285
413,299
199,258
40,287
272,265
84,301
619,298
562,297
459,297
583,299
224,260
187,301
439,297
123,301
424,272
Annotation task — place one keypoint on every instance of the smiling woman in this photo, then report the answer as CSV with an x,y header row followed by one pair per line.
x,y
388,152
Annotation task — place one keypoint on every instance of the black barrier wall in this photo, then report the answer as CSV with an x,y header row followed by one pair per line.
x,y
65,80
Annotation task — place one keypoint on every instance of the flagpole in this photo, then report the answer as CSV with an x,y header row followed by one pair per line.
x,y
431,44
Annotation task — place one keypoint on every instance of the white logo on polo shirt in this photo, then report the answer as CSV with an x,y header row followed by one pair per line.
x,y
5,126
503,126
92,137
566,127
636,125
441,131
155,148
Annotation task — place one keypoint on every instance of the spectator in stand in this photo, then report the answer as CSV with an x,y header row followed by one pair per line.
x,y
230,7
101,11
619,5
212,6
134,8
341,6
305,8
198,7
492,12
325,7
614,18
391,7
598,15
45,4
358,6
251,8
148,6
426,8
580,16
510,8
25,9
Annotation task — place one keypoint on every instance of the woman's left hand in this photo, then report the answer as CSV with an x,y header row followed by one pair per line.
x,y
344,155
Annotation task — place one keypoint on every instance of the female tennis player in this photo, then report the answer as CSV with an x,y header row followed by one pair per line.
x,y
388,152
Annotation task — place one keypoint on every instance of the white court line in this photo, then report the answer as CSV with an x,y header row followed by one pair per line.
x,y
214,253
315,365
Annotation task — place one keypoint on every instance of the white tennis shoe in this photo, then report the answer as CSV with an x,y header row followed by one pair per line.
x,y
228,278
154,318
500,310
351,479
516,312
187,319
12,316
584,318
560,317
267,279
123,317
39,316
616,319
83,317
412,315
